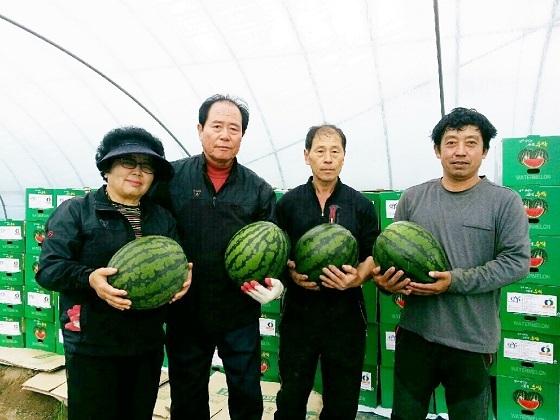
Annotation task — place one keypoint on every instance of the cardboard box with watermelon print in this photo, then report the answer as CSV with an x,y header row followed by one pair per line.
x,y
39,203
368,389
385,203
542,205
531,160
387,338
11,300
34,234
372,344
12,332
11,269
269,366
527,398
31,266
530,307
268,327
370,292
12,238
545,260
59,342
39,303
41,335
61,195
390,307
529,354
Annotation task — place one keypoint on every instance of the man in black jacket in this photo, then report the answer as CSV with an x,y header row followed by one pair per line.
x,y
328,321
212,196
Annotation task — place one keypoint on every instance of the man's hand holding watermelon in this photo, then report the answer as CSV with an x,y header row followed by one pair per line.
x,y
262,294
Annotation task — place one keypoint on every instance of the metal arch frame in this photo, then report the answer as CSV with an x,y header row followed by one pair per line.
x,y
26,150
550,27
380,93
107,78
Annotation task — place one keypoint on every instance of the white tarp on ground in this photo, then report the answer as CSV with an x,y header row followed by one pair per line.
x,y
70,71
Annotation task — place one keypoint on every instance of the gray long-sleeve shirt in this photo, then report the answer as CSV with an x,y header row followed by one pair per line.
x,y
485,234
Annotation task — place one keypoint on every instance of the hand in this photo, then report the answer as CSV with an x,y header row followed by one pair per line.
x,y
186,285
333,278
262,294
301,279
442,283
349,276
390,281
98,281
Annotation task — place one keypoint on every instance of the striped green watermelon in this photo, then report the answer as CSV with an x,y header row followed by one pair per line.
x,y
257,251
323,245
152,269
409,247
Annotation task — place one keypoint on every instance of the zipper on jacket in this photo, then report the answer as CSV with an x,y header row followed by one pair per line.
x,y
214,201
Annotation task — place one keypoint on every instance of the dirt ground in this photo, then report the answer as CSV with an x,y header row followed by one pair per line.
x,y
16,403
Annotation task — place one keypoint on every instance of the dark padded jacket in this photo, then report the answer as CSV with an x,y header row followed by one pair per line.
x,y
299,210
82,235
206,221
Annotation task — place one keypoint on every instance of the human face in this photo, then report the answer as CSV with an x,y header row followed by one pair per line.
x,y
325,157
127,186
461,154
221,135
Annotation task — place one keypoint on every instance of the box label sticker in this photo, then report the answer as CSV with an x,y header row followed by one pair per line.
x,y
9,265
10,297
11,233
38,300
391,208
40,201
9,328
528,303
267,326
535,351
390,340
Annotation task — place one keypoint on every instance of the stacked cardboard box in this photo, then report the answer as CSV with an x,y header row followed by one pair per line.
x,y
528,374
28,312
12,247
384,313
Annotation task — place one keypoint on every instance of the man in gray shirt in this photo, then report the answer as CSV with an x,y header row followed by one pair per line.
x,y
450,329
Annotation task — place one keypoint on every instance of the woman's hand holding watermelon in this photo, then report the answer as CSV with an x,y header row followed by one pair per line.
x,y
186,285
114,297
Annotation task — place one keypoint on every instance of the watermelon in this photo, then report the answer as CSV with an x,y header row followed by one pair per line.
x,y
409,247
323,245
152,269
258,250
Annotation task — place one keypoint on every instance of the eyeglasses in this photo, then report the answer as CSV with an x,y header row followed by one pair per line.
x,y
130,163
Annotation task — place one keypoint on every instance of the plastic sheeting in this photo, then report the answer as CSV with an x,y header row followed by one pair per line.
x,y
70,71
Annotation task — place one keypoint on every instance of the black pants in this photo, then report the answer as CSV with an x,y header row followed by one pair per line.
x,y
335,332
420,366
112,388
190,351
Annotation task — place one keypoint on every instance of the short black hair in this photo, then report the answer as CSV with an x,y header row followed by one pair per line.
x,y
323,129
123,135
459,118
240,103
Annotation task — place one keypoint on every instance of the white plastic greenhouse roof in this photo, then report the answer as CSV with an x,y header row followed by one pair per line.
x,y
72,70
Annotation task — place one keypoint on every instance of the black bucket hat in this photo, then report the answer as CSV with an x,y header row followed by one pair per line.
x,y
163,169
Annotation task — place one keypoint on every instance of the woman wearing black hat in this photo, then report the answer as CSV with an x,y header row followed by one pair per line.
x,y
113,355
